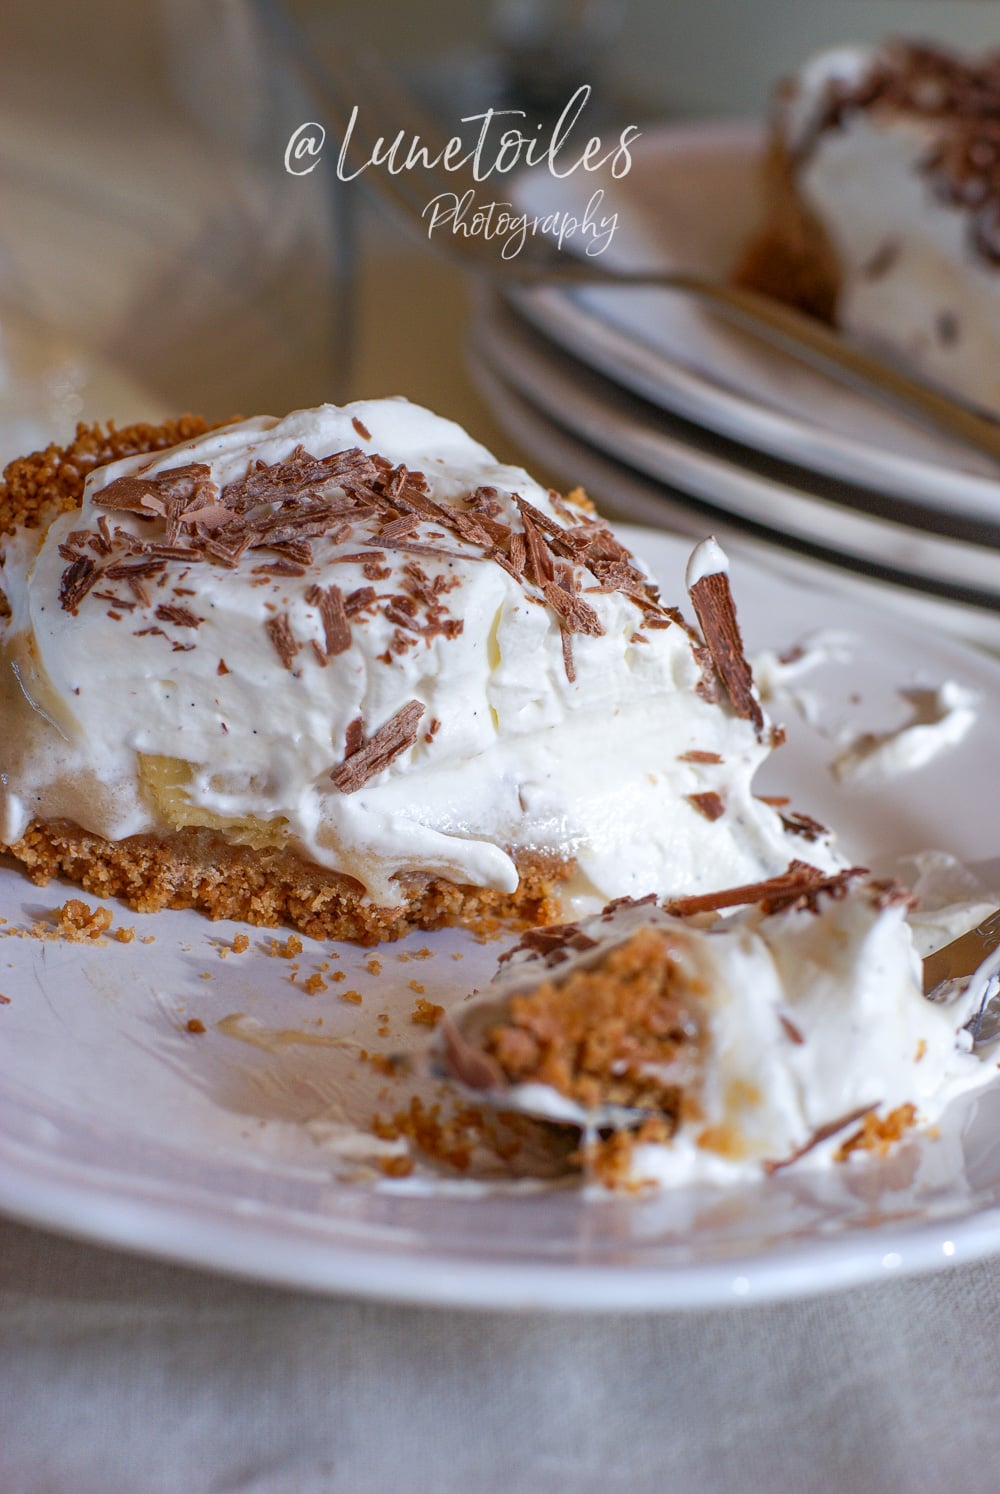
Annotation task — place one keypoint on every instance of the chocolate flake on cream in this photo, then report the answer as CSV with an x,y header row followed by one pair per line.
x,y
182,616
711,805
712,600
796,886
397,735
329,601
280,632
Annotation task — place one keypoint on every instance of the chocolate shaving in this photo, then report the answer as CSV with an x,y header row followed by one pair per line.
x,y
822,1134
791,1030
398,528
134,495
397,735
712,599
804,825
329,601
299,550
484,501
279,631
354,737
552,942
800,881
569,663
575,615
697,756
711,805
361,428
535,517
539,566
518,553
280,568
357,601
116,601
413,547
888,893
611,908
77,579
182,616
134,568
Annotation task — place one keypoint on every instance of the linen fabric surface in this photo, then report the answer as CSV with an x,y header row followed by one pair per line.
x,y
121,1376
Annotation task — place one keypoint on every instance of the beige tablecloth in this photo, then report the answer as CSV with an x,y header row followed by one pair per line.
x,y
120,1376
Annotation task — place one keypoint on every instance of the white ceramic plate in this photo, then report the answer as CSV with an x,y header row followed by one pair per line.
x,y
691,200
652,443
119,1125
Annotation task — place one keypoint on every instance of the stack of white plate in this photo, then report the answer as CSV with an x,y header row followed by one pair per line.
x,y
669,416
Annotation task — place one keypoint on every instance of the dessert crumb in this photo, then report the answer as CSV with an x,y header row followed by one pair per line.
x,y
354,997
291,947
878,1133
380,1063
75,922
315,983
395,1167
194,1024
426,1013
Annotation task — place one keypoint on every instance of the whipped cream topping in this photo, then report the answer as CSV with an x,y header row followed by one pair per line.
x,y
707,559
939,719
919,278
813,1014
385,696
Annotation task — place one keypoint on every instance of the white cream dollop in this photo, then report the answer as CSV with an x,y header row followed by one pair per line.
x,y
939,719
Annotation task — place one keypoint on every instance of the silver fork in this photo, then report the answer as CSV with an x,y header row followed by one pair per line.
x,y
360,95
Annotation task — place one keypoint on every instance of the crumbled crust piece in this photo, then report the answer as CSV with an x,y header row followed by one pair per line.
x,y
38,487
879,1133
75,922
610,1159
608,1033
426,1013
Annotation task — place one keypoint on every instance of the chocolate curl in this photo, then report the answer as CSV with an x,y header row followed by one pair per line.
x,y
399,733
713,603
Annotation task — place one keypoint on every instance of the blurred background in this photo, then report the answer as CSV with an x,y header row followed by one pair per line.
x,y
678,57
155,255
